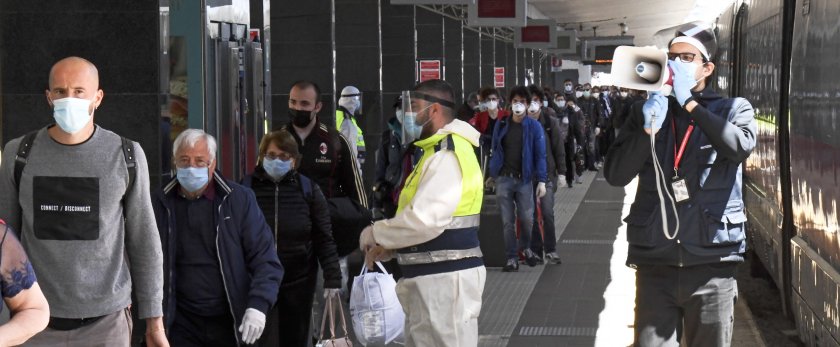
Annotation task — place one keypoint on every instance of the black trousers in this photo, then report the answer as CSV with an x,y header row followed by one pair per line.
x,y
288,321
697,301
190,330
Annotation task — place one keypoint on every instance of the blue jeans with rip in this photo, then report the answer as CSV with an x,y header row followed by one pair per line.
x,y
515,195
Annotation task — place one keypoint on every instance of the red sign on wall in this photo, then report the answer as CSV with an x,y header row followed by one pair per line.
x,y
429,70
499,77
496,8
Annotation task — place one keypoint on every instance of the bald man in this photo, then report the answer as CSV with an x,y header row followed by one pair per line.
x,y
87,225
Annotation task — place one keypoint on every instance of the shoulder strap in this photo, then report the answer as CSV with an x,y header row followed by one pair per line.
x,y
130,161
306,186
23,151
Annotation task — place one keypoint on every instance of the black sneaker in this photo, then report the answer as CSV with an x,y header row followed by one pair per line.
x,y
511,266
553,258
530,258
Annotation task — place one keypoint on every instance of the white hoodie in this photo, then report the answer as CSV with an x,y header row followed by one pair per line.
x,y
437,198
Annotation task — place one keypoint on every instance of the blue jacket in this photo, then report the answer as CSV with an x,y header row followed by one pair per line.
x,y
533,149
251,270
712,219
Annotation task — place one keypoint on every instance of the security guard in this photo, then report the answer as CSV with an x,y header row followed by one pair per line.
x,y
434,234
349,106
685,278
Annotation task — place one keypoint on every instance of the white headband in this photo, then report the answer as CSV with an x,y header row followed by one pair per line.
x,y
694,42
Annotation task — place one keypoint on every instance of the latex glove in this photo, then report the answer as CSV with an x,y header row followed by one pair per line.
x,y
366,241
656,105
597,131
253,323
328,292
683,79
378,253
540,190
566,120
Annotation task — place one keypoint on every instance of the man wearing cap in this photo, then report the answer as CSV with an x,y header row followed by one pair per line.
x,y
349,107
685,278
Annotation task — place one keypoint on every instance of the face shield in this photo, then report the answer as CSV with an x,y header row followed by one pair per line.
x,y
351,99
416,106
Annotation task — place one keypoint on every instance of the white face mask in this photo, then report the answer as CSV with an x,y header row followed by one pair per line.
x,y
560,103
568,88
578,94
691,68
518,108
623,94
545,103
596,95
534,107
71,114
492,104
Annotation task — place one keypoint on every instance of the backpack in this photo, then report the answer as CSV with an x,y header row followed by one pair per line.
x,y
29,139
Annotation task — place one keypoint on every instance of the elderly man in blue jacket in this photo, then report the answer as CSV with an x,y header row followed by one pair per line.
x,y
516,161
221,271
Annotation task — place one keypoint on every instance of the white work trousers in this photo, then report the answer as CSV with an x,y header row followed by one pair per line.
x,y
442,309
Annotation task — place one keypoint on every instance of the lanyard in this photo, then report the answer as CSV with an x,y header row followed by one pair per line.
x,y
678,154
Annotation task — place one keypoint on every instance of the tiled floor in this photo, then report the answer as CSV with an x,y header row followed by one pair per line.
x,y
589,299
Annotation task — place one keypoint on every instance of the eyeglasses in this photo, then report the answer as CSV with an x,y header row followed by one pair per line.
x,y
187,162
274,156
685,57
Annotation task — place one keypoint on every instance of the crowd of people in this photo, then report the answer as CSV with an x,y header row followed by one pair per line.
x,y
207,261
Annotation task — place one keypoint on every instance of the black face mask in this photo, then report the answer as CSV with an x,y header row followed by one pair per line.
x,y
300,118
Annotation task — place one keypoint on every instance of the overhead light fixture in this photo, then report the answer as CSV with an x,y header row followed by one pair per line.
x,y
623,28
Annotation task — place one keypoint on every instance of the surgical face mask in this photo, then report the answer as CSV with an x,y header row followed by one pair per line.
x,y
545,103
568,88
413,130
534,107
518,108
193,178
623,94
691,68
277,168
578,93
71,114
300,118
596,95
586,94
493,104
400,115
560,103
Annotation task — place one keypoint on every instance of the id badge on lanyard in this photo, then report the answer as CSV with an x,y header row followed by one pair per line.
x,y
678,185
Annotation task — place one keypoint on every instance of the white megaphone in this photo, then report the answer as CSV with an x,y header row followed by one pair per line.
x,y
642,68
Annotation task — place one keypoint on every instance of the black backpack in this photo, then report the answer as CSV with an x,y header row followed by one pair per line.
x,y
29,139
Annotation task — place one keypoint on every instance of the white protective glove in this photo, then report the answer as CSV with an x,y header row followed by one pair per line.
x,y
253,323
366,240
328,292
597,131
540,190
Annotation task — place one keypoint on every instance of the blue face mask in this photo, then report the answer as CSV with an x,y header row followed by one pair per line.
x,y
412,130
193,178
277,168
71,114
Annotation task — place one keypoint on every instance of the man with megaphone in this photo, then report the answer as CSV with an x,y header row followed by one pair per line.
x,y
685,228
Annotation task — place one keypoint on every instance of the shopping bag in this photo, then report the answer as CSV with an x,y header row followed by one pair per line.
x,y
329,311
378,318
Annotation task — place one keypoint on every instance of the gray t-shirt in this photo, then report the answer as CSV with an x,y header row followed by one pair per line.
x,y
70,215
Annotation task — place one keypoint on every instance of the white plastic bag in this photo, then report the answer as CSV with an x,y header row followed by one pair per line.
x,y
378,318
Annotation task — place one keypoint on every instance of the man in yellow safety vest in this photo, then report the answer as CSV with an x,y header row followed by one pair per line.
x,y
434,234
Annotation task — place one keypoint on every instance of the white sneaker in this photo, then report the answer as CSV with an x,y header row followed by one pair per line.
x,y
578,180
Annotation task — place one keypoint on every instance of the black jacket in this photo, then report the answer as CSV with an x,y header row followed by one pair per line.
x,y
327,160
712,219
576,120
389,170
301,226
555,151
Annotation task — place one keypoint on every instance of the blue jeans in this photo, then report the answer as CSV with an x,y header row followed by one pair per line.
x,y
547,241
519,194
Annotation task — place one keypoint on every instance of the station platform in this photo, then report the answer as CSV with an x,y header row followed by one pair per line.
x,y
588,300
